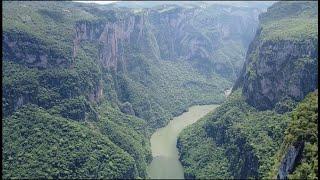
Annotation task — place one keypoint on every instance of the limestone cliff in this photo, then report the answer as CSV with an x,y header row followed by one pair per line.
x,y
204,35
114,38
280,66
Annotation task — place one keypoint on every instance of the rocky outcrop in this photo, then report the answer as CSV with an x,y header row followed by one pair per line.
x,y
97,94
202,38
277,69
290,160
19,102
280,65
170,26
114,37
25,49
127,108
171,33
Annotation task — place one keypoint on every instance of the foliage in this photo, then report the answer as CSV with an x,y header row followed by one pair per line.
x,y
66,134
39,145
285,105
62,92
45,87
302,128
168,90
77,109
290,21
200,156
244,138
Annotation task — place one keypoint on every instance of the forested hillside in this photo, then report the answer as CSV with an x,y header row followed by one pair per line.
x,y
84,85
267,128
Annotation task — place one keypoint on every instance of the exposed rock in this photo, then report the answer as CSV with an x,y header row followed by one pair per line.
x,y
227,92
290,160
177,33
112,36
193,34
97,94
127,108
17,47
19,103
283,65
277,69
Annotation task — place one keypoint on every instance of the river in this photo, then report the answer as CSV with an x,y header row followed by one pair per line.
x,y
165,163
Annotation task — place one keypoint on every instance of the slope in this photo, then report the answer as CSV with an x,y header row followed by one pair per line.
x,y
248,129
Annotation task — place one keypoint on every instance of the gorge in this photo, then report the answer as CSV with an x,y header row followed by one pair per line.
x,y
165,163
89,89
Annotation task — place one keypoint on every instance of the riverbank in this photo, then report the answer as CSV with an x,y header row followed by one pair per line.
x,y
165,163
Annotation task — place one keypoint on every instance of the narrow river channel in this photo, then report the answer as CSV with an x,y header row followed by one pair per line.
x,y
165,163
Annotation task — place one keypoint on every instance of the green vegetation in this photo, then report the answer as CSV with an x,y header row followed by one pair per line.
x,y
170,89
290,21
302,128
46,88
63,115
39,145
157,90
63,95
243,138
297,28
212,147
199,154
240,141
129,133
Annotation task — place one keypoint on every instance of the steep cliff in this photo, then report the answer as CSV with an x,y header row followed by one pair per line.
x,y
109,73
56,97
204,36
242,138
261,131
282,60
298,156
114,37
140,48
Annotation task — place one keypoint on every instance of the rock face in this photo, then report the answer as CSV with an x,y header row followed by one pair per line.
x,y
173,33
97,93
278,68
203,38
201,35
30,51
127,108
114,38
19,103
289,161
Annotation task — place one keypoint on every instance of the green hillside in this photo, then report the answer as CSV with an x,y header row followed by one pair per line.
x,y
57,75
267,126
39,145
241,141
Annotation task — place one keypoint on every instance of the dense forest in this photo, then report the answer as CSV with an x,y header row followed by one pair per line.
x,y
84,86
267,128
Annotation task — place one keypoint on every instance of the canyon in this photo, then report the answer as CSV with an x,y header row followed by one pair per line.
x,y
85,87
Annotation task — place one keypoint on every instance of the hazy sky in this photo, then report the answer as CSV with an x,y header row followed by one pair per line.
x,y
108,2
235,3
98,2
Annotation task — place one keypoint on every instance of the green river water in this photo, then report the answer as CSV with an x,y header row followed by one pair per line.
x,y
165,163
